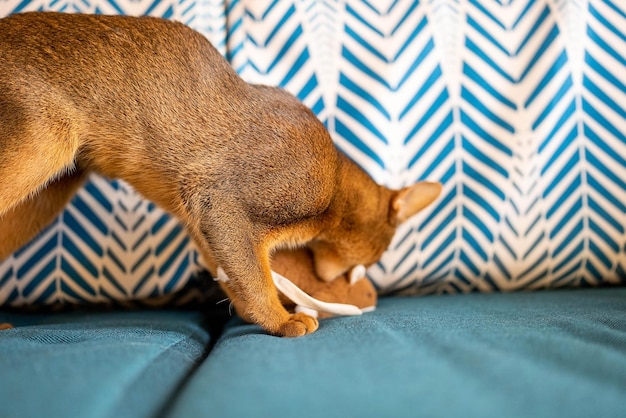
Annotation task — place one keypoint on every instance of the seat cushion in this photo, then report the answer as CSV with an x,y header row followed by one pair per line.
x,y
542,354
96,365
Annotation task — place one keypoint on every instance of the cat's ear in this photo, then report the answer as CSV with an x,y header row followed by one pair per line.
x,y
410,200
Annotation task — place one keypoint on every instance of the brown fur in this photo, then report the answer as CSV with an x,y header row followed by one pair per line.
x,y
248,169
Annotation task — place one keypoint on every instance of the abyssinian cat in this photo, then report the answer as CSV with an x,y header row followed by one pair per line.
x,y
246,168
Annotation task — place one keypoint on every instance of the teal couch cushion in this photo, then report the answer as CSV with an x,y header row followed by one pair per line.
x,y
96,365
544,354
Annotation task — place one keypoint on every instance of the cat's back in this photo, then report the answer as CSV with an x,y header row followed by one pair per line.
x,y
102,56
67,35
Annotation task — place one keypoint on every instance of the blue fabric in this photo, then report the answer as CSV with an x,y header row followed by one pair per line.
x,y
544,354
96,365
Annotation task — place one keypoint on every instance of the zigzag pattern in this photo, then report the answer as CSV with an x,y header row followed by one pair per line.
x,y
273,54
205,16
544,228
552,102
514,106
521,258
391,106
603,121
147,253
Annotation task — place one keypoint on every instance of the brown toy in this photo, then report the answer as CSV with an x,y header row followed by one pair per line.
x,y
302,290
351,288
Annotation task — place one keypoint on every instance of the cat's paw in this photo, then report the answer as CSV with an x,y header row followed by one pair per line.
x,y
297,325
5,326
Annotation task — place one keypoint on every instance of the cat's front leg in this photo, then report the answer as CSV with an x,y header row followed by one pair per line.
x,y
238,248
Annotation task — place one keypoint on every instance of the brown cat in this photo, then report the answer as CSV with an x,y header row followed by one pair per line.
x,y
248,169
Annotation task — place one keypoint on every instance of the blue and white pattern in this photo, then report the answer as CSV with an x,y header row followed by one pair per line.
x,y
515,106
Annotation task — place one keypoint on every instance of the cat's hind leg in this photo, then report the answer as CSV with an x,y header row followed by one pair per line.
x,y
22,222
37,149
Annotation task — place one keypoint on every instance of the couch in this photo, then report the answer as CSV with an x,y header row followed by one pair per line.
x,y
542,354
505,298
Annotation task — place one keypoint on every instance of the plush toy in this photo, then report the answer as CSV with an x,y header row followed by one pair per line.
x,y
301,290
352,288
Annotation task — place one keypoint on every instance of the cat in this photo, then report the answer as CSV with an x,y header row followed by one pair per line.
x,y
246,168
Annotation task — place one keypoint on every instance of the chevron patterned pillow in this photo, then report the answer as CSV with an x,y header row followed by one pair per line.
x,y
514,106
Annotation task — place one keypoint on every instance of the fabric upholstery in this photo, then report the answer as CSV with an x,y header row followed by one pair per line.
x,y
542,354
96,365
514,106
